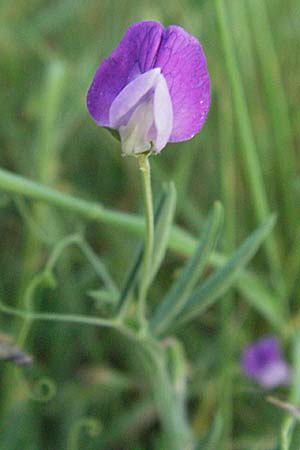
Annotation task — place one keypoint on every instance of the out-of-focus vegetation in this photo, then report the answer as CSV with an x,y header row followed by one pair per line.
x,y
85,389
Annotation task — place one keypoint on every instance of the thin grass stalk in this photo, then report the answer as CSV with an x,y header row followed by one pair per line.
x,y
249,153
278,109
228,192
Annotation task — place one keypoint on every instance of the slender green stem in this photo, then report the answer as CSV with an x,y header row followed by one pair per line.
x,y
144,166
169,400
289,422
228,189
28,304
180,241
53,317
278,109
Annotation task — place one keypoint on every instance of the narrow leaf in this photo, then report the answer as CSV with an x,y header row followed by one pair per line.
x,y
183,287
163,228
223,278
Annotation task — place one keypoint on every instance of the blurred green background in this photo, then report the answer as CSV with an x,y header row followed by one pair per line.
x,y
245,156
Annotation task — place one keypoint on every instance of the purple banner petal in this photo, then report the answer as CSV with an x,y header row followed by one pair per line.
x,y
134,55
183,64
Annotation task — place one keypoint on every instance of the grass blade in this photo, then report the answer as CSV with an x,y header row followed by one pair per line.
x,y
248,147
277,105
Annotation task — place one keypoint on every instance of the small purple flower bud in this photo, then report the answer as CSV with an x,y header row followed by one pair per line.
x,y
153,89
263,361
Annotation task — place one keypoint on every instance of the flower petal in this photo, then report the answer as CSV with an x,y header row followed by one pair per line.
x,y
130,96
142,112
134,55
183,65
258,355
135,134
275,374
163,114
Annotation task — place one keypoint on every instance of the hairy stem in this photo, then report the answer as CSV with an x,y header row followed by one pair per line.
x,y
144,166
170,401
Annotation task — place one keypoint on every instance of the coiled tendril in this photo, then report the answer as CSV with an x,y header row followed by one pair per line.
x,y
90,425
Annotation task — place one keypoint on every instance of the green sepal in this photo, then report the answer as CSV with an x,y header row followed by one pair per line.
x,y
115,134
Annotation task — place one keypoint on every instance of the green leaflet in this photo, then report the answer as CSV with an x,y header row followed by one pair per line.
x,y
183,287
222,279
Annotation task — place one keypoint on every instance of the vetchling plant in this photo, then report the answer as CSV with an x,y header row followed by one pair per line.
x,y
154,88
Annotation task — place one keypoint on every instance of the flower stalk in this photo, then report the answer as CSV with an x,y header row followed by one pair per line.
x,y
144,166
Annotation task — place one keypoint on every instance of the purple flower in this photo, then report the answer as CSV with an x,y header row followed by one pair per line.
x,y
154,88
263,361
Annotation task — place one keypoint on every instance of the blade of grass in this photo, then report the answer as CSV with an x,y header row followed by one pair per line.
x,y
248,147
278,110
226,310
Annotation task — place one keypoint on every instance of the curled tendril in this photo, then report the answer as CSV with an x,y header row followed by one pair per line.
x,y
45,389
37,281
47,278
41,390
90,425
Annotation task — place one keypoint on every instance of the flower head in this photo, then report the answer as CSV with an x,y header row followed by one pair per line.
x,y
263,361
154,88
